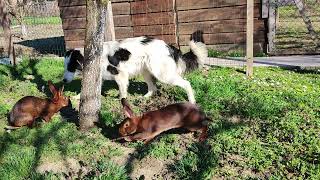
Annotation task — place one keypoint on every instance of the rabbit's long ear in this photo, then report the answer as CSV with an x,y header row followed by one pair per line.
x,y
61,90
52,88
126,108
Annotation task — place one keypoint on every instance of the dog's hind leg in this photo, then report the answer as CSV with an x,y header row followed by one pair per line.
x,y
122,79
179,81
150,82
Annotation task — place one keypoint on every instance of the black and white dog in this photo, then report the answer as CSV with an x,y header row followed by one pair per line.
x,y
152,58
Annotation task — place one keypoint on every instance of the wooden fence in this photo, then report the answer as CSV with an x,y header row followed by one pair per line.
x,y
222,21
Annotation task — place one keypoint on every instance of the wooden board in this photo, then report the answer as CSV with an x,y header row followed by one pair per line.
x,y
152,18
222,26
206,4
74,23
225,38
80,11
113,1
122,20
64,3
72,12
238,12
80,23
153,30
121,8
169,39
123,32
74,34
74,44
147,6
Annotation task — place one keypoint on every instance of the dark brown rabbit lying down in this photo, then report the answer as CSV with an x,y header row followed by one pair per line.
x,y
29,108
150,124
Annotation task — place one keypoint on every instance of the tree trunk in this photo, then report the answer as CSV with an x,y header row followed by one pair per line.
x,y
90,101
5,24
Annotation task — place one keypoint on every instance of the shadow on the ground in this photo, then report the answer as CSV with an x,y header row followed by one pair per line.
x,y
50,45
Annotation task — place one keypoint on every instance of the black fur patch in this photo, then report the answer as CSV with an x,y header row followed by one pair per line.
x,y
112,70
147,40
68,52
197,36
190,60
175,53
120,55
75,59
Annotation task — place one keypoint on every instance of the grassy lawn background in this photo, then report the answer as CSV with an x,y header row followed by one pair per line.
x,y
264,128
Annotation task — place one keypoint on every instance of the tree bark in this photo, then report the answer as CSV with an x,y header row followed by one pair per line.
x,y
90,100
5,23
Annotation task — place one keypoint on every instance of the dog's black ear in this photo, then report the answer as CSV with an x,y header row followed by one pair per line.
x,y
68,52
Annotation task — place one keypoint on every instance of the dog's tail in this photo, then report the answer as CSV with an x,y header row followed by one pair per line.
x,y
198,53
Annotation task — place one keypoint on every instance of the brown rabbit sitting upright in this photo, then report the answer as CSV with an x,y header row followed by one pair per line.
x,y
29,108
152,123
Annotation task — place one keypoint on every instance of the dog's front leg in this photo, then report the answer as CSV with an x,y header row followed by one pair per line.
x,y
150,80
122,79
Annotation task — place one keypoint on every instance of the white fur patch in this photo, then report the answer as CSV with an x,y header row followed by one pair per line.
x,y
68,76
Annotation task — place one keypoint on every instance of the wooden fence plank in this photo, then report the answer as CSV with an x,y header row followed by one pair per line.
x,y
72,12
201,4
74,44
152,18
169,39
74,23
223,26
80,23
74,34
113,1
147,6
238,12
122,20
153,30
64,3
123,32
121,8
225,38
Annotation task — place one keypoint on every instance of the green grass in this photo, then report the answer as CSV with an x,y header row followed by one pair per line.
x,y
234,53
266,127
29,20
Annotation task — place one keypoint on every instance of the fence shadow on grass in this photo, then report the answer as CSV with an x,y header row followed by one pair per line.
x,y
50,45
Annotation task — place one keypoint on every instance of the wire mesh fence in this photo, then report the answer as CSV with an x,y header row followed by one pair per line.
x,y
36,29
297,27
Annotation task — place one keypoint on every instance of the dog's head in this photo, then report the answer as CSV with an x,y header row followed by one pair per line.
x,y
73,60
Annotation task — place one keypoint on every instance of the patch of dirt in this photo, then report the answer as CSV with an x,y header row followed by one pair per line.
x,y
69,165
125,157
151,168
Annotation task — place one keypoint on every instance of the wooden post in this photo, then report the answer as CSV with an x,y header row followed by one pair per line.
x,y
110,33
176,22
272,25
250,8
5,23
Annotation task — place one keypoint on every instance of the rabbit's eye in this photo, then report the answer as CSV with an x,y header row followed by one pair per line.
x,y
126,124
